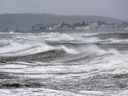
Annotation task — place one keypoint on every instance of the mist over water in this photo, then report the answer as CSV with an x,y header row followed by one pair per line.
x,y
64,64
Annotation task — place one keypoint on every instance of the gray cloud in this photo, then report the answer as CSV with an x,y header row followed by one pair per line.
x,y
111,8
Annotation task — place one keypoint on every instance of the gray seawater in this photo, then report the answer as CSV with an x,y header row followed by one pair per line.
x,y
64,64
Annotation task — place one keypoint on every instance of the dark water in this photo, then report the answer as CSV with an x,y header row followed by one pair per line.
x,y
64,64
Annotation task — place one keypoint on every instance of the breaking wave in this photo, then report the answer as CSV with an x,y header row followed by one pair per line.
x,y
93,64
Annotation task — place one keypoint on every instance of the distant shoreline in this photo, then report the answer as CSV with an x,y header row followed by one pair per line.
x,y
25,22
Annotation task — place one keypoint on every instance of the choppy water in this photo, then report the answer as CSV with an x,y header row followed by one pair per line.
x,y
64,64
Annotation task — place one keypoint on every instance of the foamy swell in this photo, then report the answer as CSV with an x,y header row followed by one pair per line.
x,y
83,64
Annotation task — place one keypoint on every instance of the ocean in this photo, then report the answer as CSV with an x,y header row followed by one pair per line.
x,y
64,64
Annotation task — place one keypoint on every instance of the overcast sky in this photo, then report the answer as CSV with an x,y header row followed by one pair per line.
x,y
111,8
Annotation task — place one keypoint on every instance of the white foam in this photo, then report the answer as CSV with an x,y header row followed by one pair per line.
x,y
69,50
59,37
36,92
23,49
113,40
